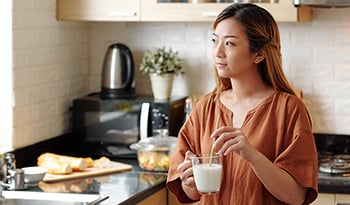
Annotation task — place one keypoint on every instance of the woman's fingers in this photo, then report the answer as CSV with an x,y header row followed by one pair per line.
x,y
185,169
226,139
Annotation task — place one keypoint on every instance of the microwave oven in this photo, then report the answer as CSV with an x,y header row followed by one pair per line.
x,y
114,124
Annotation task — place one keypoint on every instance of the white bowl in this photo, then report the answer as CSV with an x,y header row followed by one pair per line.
x,y
34,174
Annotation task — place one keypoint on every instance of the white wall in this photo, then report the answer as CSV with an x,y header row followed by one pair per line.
x,y
55,62
50,62
6,76
315,58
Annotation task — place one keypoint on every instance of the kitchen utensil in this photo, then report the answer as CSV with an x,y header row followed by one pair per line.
x,y
154,153
97,201
118,73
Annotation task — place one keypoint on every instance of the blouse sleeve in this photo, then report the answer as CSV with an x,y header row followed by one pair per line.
x,y
303,166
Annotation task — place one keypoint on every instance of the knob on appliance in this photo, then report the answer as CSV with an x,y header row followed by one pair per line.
x,y
118,73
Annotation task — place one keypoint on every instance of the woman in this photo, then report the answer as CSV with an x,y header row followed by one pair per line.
x,y
265,132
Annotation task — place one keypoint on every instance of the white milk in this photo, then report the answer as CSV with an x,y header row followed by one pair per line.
x,y
207,178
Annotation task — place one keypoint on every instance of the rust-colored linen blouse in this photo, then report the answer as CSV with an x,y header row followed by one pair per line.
x,y
279,127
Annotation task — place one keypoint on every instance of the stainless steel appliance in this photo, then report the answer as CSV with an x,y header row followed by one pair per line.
x,y
114,124
118,73
334,163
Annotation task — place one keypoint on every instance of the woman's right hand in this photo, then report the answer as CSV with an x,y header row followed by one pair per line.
x,y
186,175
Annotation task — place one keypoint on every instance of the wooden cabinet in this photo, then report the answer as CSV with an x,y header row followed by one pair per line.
x,y
331,199
164,196
173,201
152,10
283,11
324,199
158,198
342,198
99,10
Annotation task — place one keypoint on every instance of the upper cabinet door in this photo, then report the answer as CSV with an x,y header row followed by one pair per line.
x,y
99,10
153,10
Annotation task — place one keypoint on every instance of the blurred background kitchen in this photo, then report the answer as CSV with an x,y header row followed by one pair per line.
x,y
47,63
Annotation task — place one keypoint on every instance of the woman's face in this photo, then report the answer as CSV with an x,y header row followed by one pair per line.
x,y
231,52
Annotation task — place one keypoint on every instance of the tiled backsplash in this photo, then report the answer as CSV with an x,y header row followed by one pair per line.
x,y
55,62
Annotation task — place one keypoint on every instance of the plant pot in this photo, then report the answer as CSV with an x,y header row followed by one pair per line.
x,y
162,85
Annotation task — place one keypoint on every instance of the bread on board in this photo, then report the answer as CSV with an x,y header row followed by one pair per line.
x,y
62,164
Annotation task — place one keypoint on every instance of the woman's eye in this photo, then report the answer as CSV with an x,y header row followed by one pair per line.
x,y
213,40
228,43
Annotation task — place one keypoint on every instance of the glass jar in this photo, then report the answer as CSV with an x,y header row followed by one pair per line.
x,y
10,161
3,169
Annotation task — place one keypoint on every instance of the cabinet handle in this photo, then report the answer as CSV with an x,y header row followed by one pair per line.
x,y
122,14
210,14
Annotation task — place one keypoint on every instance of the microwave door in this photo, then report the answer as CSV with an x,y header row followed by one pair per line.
x,y
145,122
116,127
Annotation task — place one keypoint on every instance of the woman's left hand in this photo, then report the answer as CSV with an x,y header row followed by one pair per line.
x,y
229,139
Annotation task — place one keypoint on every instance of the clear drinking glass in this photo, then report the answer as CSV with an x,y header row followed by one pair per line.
x,y
207,172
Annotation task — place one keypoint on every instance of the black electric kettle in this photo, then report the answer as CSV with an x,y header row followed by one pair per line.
x,y
118,73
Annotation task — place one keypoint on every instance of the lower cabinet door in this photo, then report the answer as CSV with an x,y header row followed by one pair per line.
x,y
343,199
173,201
324,199
158,198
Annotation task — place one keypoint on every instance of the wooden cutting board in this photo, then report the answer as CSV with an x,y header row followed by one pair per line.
x,y
114,167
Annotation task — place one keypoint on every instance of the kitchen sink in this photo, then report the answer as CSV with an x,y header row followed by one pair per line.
x,y
46,198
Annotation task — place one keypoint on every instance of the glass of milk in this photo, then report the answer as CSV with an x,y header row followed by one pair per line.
x,y
207,173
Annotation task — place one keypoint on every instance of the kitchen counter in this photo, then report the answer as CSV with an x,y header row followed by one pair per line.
x,y
129,187
125,188
136,185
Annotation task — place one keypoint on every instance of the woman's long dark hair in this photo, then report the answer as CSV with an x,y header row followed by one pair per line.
x,y
262,33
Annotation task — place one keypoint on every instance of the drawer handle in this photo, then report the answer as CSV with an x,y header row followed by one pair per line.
x,y
122,14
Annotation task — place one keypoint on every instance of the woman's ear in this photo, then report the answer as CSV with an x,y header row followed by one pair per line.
x,y
259,56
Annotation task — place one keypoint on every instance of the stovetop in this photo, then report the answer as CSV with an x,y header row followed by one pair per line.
x,y
334,163
338,164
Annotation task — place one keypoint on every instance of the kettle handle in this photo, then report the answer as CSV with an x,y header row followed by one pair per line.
x,y
130,64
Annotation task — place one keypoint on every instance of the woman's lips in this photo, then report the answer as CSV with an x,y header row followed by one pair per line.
x,y
221,65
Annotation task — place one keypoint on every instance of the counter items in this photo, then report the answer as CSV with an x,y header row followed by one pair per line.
x,y
10,162
155,153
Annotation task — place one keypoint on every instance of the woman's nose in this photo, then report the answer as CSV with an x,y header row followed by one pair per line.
x,y
219,51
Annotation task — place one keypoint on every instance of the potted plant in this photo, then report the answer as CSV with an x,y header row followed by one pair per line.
x,y
161,65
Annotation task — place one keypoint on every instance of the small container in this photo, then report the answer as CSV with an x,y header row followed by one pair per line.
x,y
33,175
17,179
155,153
188,107
3,169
